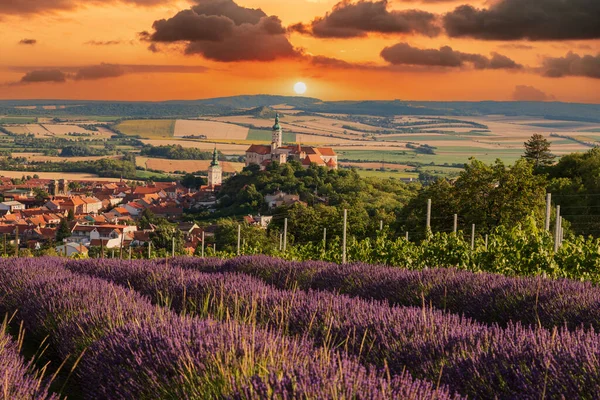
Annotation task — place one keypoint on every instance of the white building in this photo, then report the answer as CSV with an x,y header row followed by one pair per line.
x,y
263,155
215,172
11,206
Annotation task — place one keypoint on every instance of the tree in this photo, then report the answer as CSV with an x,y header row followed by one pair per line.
x,y
63,231
537,150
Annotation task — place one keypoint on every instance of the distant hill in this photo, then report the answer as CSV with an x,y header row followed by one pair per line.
x,y
260,105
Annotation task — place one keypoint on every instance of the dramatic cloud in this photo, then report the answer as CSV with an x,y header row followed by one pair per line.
x,y
28,41
221,30
348,20
25,7
101,71
103,43
526,19
516,46
48,75
529,93
404,54
572,65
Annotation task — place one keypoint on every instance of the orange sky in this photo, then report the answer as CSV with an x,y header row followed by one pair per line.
x,y
64,35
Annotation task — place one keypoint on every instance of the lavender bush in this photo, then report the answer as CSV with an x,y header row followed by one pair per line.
x,y
471,358
485,297
132,349
19,379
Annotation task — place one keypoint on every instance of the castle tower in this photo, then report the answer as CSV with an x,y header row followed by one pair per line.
x,y
277,134
215,173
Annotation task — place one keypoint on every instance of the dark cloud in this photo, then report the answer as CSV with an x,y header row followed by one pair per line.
x,y
221,30
516,46
99,72
526,19
404,54
103,43
47,75
26,7
28,41
349,19
572,65
329,62
529,93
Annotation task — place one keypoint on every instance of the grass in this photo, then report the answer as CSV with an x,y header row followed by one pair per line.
x,y
259,135
148,128
18,120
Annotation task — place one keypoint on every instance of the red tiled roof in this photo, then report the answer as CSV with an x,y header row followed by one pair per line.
x,y
327,151
259,149
313,158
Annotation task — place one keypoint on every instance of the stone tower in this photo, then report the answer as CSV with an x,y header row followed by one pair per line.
x,y
215,173
277,135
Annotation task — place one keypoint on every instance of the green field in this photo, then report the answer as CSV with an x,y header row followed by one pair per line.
x,y
424,138
18,120
259,135
148,128
444,155
152,175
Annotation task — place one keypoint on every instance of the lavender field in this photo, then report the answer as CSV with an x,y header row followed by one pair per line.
x,y
260,327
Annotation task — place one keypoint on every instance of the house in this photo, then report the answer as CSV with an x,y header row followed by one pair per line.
x,y
258,220
72,249
12,206
263,155
280,198
110,236
187,228
134,209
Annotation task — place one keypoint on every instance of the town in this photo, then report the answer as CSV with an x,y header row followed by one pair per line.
x,y
85,218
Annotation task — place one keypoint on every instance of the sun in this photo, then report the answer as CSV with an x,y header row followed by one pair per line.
x,y
300,88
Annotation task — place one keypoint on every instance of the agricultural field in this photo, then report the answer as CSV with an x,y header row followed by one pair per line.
x,y
58,175
163,164
210,130
153,328
39,157
148,128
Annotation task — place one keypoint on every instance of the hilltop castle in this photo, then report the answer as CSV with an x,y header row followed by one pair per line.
x,y
263,155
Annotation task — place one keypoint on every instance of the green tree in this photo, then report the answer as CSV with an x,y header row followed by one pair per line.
x,y
537,150
63,231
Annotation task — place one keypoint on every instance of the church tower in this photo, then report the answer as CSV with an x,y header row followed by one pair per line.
x,y
277,134
215,173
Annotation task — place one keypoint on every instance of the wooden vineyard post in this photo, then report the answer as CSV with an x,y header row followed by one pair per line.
x,y
455,224
428,222
344,237
203,243
173,247
285,235
239,237
149,249
473,237
557,229
324,239
548,211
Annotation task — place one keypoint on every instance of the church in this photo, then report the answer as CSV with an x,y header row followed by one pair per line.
x,y
263,155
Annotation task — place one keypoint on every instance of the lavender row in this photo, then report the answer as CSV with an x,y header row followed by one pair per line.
x,y
19,381
471,358
133,349
485,297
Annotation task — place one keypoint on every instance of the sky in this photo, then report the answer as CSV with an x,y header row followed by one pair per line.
x,y
533,50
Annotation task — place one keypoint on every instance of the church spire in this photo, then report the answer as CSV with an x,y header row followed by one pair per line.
x,y
276,127
215,159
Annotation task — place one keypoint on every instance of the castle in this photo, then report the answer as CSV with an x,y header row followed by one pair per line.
x,y
263,155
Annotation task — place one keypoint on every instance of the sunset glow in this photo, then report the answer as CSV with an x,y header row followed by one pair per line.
x,y
155,49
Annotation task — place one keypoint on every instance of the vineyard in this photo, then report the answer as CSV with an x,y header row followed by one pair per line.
x,y
265,327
